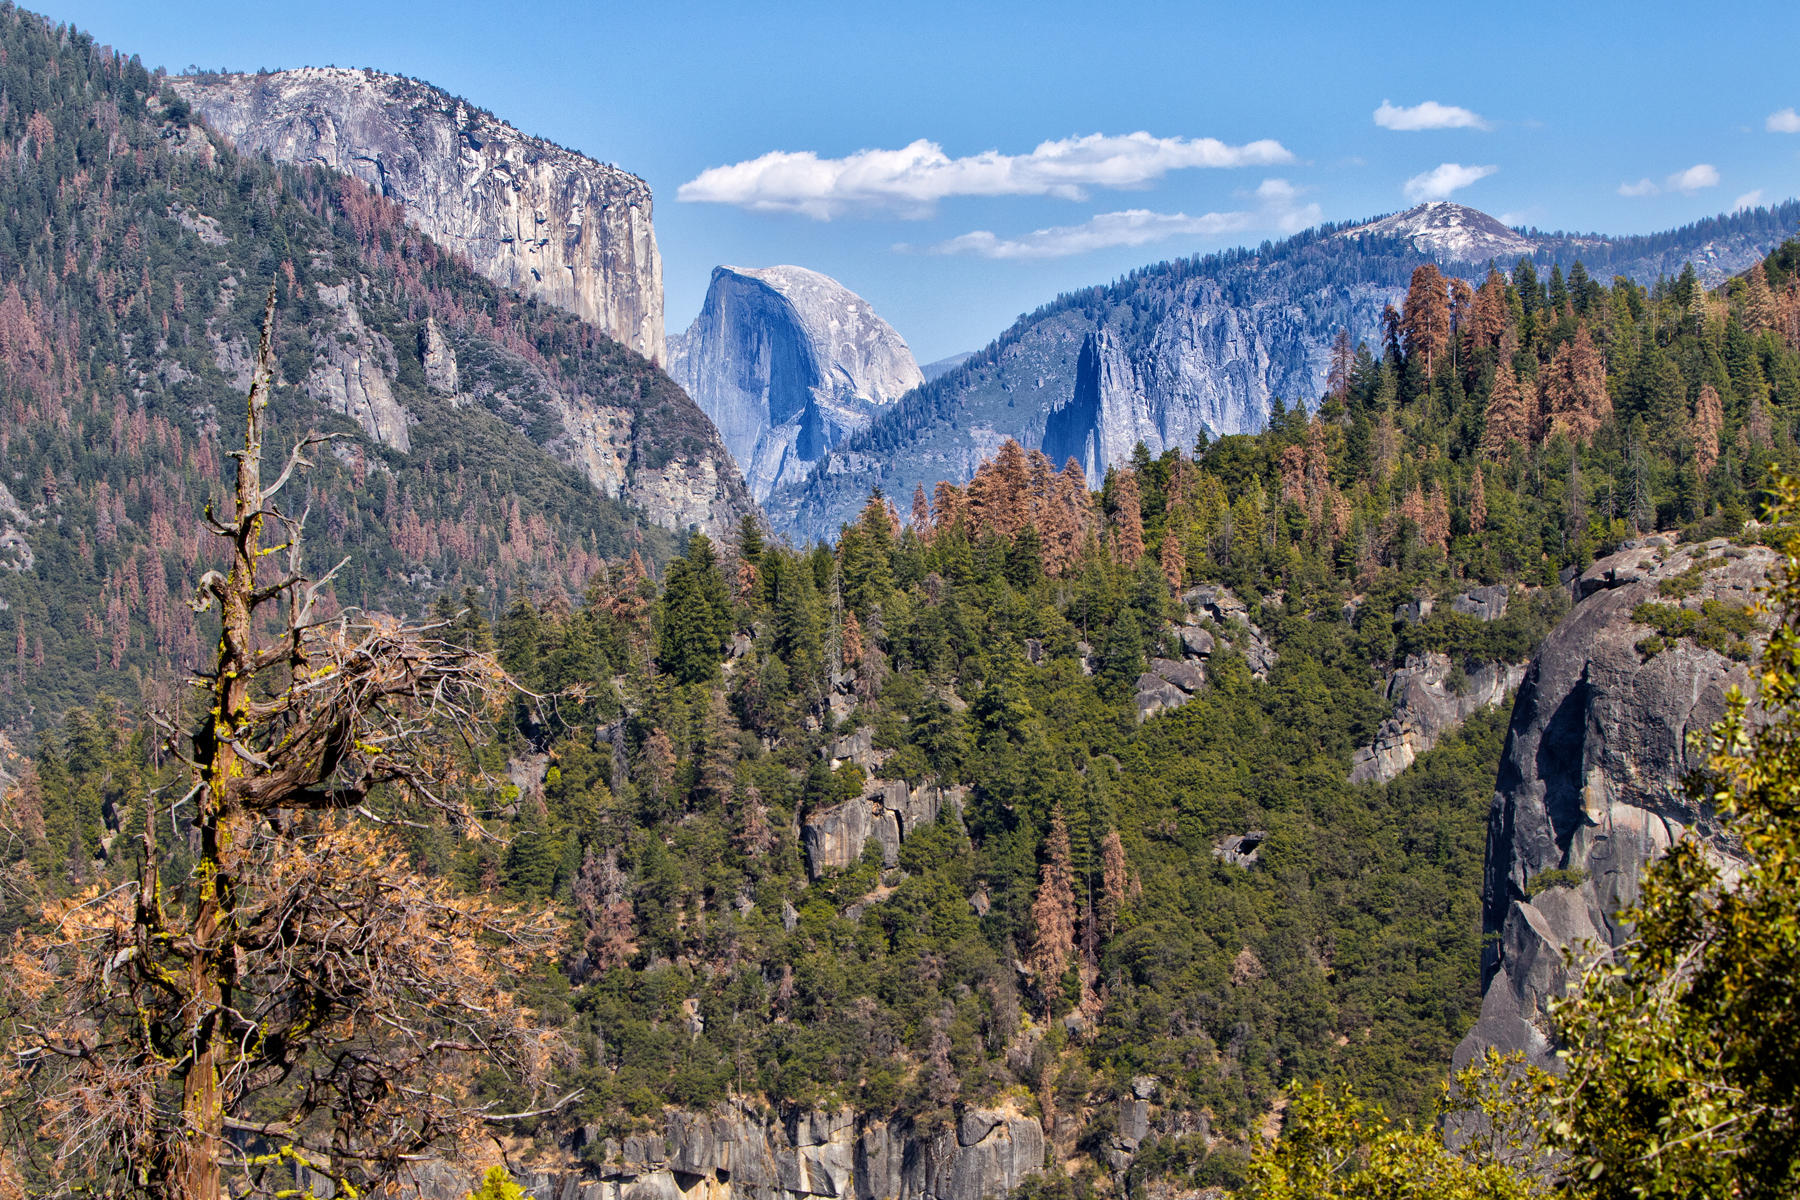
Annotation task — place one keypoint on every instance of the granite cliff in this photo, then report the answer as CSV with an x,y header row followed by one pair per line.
x,y
738,1153
1208,344
525,212
788,362
527,215
1432,694
1591,782
616,419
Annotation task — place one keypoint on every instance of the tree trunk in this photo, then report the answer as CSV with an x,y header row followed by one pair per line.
x,y
211,974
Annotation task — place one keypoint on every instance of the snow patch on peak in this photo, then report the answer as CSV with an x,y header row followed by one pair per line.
x,y
1450,231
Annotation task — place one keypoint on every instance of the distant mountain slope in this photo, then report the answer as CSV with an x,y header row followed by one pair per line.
x,y
486,442
527,213
788,362
1208,343
1453,232
943,366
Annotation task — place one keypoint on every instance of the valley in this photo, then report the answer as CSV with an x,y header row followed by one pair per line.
x,y
461,736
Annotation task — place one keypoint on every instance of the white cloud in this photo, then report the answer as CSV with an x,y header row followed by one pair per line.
x,y
1700,175
911,180
1429,115
1785,121
1441,180
1278,208
1750,199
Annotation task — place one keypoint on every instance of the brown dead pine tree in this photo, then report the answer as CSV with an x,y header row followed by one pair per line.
x,y
300,999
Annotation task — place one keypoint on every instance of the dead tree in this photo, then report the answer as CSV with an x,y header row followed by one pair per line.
x,y
301,1000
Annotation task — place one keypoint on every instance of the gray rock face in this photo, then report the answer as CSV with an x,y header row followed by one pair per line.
x,y
619,441
1453,232
1232,616
621,448
1154,694
527,213
1212,367
351,371
1183,674
1483,603
441,375
1170,682
889,811
833,838
1428,703
15,547
787,362
1590,782
1241,849
735,1153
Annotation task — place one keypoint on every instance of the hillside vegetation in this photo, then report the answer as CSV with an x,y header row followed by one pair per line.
x,y
1077,916
135,250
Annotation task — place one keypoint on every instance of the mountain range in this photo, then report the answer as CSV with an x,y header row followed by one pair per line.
x,y
816,397
1208,344
1046,846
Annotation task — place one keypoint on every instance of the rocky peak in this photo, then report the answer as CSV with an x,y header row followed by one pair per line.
x,y
527,213
788,362
1449,231
1591,783
1209,343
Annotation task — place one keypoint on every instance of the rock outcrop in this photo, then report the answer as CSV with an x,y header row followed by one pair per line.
x,y
625,425
525,212
15,547
889,810
441,375
1590,788
351,369
1217,620
788,362
735,1153
1430,698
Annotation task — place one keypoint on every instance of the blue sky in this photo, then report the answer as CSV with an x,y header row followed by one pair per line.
x,y
1619,118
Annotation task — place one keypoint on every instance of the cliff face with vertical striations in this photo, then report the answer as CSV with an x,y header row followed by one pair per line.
x,y
788,362
527,213
738,1153
1591,783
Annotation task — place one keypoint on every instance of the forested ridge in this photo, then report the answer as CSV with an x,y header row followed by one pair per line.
x,y
1070,923
1072,912
1318,281
135,248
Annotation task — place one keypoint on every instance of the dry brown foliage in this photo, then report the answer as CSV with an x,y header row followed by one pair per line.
x,y
1053,909
296,992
